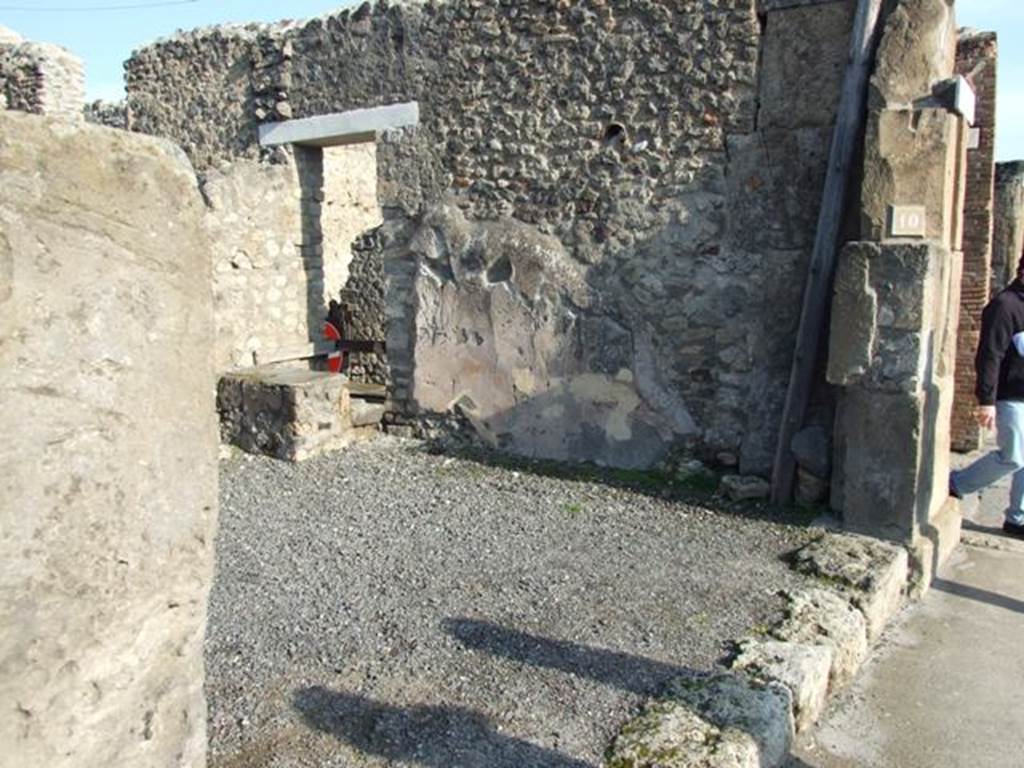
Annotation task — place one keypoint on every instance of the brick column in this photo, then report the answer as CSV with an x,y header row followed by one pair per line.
x,y
976,60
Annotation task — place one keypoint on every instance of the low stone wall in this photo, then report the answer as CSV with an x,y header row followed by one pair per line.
x,y
779,683
109,493
40,78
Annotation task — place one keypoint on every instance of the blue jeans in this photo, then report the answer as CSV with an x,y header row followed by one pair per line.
x,y
994,466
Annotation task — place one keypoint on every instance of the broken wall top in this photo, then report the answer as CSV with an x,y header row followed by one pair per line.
x,y
41,78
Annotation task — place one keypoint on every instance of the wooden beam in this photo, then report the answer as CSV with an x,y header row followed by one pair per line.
x,y
850,120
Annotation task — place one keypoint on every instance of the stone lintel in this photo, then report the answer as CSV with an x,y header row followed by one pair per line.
x,y
780,5
340,127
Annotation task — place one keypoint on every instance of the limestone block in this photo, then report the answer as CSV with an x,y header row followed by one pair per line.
x,y
880,457
718,721
804,56
803,669
917,51
745,488
288,413
936,542
872,573
912,158
853,335
109,492
888,299
821,617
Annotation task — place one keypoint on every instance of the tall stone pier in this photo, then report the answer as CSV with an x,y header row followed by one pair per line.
x,y
108,467
897,296
1008,233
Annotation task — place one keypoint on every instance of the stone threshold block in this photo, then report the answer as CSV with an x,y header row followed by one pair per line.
x,y
293,413
871,573
716,721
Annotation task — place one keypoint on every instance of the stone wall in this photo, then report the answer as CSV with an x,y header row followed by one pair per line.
x,y
976,60
1008,232
110,114
896,306
647,150
40,78
109,492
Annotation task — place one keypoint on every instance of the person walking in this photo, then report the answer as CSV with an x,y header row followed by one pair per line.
x,y
999,366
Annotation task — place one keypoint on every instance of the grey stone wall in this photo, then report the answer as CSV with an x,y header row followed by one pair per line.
x,y
110,114
40,78
109,491
1008,231
365,293
647,144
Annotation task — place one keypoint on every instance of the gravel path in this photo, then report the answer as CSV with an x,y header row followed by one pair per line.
x,y
387,606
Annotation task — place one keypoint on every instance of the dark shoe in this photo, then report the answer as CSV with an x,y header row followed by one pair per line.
x,y
1013,529
952,489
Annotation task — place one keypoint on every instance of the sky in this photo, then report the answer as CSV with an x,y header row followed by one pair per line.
x,y
105,38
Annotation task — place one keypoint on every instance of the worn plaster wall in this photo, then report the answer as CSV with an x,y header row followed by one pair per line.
x,y
40,78
1008,232
977,55
262,278
108,493
350,207
282,237
648,150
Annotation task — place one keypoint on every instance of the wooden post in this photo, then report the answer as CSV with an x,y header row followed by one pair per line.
x,y
850,120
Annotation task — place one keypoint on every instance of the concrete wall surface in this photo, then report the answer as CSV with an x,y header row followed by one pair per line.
x,y
108,470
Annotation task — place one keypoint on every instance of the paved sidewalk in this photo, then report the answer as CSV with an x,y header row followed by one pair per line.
x,y
945,688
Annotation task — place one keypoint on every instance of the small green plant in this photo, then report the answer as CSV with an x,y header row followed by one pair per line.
x,y
573,509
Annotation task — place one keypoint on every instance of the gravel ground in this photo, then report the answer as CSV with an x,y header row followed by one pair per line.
x,y
388,606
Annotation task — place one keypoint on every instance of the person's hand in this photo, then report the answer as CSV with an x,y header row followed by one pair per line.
x,y
987,416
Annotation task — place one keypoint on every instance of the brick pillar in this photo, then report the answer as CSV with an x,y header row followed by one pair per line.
x,y
976,60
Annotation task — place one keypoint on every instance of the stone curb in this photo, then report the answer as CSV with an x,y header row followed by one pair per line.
x,y
779,684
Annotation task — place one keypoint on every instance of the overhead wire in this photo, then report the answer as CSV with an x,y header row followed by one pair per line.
x,y
112,7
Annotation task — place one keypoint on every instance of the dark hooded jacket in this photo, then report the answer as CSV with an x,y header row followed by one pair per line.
x,y
1000,367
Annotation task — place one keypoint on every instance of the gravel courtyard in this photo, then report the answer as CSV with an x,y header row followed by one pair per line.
x,y
392,607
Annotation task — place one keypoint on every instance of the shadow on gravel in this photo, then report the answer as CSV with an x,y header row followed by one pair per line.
x,y
437,737
700,491
621,670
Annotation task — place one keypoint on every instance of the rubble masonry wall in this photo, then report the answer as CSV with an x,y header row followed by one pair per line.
x,y
654,167
40,78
